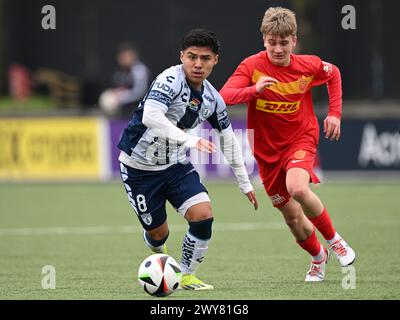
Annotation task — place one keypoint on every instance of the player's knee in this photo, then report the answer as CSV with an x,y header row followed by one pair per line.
x,y
298,192
292,221
201,229
199,212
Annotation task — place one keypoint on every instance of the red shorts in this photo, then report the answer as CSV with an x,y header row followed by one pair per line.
x,y
273,175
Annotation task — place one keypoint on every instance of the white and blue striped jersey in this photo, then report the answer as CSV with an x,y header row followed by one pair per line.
x,y
184,107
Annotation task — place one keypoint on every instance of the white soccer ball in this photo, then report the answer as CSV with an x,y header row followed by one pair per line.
x,y
159,275
108,101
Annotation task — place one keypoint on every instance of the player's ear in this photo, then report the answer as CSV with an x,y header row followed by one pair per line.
x,y
181,56
264,41
294,41
216,59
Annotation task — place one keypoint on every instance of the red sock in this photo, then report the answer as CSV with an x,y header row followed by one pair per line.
x,y
311,244
324,224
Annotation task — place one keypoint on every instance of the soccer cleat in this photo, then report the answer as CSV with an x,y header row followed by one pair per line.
x,y
317,269
344,253
190,282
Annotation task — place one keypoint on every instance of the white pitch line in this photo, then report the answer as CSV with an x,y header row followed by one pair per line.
x,y
98,230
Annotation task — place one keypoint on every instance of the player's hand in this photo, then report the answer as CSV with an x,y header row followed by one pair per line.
x,y
265,82
251,195
206,146
332,128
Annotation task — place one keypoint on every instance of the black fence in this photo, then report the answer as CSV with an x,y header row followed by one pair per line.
x,y
88,32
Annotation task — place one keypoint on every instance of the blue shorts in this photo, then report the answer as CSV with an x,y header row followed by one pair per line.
x,y
148,191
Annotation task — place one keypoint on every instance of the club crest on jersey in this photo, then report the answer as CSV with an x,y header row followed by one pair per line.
x,y
303,83
209,99
300,154
194,104
146,218
205,112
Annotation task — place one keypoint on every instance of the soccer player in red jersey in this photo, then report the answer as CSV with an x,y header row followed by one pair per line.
x,y
276,85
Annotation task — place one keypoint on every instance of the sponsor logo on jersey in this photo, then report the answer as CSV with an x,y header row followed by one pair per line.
x,y
222,115
224,123
223,119
159,97
277,106
194,104
296,161
285,88
164,87
277,199
327,68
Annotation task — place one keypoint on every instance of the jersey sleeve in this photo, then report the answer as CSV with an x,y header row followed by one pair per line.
x,y
327,73
323,71
219,120
239,88
164,90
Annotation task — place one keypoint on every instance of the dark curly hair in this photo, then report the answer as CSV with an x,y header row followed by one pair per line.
x,y
201,38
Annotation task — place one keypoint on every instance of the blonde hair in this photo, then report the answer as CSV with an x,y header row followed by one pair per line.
x,y
279,21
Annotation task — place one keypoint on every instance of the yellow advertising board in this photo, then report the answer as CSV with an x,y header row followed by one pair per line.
x,y
50,148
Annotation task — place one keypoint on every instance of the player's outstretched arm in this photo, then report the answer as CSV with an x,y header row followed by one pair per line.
x,y
154,118
330,74
239,88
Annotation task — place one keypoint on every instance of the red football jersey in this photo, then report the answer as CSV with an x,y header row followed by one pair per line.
x,y
283,114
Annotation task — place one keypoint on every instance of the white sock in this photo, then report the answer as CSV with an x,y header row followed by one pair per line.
x,y
320,256
193,253
334,239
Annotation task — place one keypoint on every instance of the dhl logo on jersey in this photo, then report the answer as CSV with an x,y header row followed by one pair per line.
x,y
277,107
285,88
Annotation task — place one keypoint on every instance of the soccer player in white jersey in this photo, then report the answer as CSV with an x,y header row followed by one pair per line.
x,y
154,166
